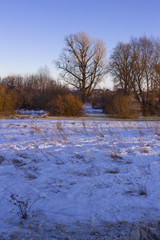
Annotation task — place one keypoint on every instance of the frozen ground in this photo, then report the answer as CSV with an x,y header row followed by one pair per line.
x,y
79,180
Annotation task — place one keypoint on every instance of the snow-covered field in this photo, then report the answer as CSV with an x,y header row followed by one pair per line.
x,y
60,178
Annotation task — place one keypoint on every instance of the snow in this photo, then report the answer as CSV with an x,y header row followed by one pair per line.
x,y
88,109
31,113
77,173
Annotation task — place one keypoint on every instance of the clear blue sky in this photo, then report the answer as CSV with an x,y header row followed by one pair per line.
x,y
32,31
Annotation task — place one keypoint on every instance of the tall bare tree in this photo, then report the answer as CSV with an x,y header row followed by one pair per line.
x,y
157,75
135,68
121,67
83,63
146,55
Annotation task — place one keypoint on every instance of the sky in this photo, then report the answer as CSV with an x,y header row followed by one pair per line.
x,y
32,32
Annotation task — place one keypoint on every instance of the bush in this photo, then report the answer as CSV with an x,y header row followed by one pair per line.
x,y
108,104
67,105
125,106
8,101
122,105
33,91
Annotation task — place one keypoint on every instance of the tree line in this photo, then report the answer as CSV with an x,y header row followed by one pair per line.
x,y
32,92
134,67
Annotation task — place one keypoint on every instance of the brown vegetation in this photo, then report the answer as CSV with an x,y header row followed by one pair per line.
x,y
135,67
124,106
67,105
8,101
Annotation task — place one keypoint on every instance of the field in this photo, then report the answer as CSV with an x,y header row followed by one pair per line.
x,y
66,179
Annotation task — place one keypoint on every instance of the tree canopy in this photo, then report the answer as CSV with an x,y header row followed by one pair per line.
x,y
83,63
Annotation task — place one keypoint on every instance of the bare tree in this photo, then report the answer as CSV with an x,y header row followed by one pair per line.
x,y
83,63
12,82
157,74
146,55
135,68
120,67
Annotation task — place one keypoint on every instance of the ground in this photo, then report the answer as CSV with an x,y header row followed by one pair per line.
x,y
66,179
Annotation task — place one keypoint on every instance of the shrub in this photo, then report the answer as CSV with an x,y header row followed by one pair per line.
x,y
8,101
108,104
67,105
23,205
122,105
125,106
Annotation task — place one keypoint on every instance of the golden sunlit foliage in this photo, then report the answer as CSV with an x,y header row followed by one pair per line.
x,y
8,101
67,105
